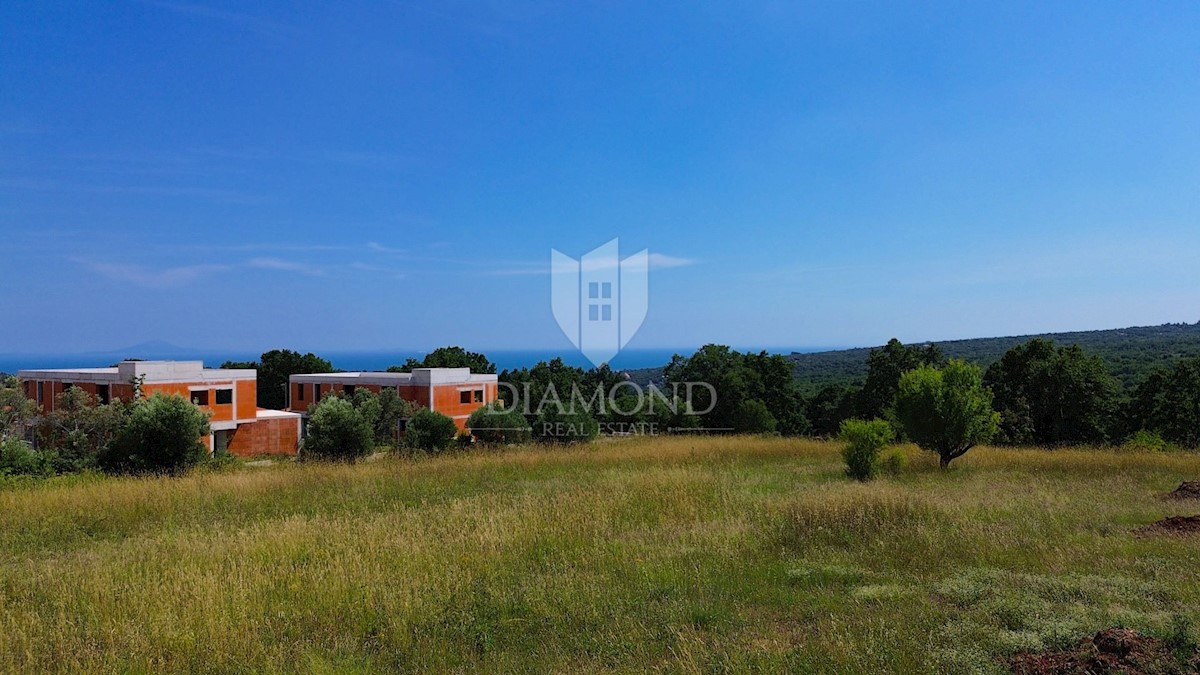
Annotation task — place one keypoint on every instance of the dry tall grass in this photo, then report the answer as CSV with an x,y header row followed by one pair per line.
x,y
676,554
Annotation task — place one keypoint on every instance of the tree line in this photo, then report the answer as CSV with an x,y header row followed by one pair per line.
x,y
1037,393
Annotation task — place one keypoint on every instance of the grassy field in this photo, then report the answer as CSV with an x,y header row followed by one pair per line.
x,y
679,554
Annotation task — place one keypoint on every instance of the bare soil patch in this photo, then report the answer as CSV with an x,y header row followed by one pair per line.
x,y
1173,525
1186,490
1113,650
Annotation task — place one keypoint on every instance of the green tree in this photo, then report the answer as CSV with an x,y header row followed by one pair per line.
x,y
16,410
565,425
78,429
448,357
1051,396
275,367
161,434
392,409
831,406
1168,402
430,431
752,417
533,390
336,430
885,366
736,378
947,411
864,441
493,423
724,370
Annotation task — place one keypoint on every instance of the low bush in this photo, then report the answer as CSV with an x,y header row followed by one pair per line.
x,y
337,430
558,426
864,441
494,424
430,431
161,434
18,458
1145,441
893,462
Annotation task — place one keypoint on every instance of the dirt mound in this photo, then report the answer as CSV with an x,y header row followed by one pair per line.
x,y
1114,650
1186,490
1173,525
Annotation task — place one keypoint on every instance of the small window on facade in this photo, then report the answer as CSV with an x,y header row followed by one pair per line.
x,y
317,393
68,385
224,396
102,393
464,396
200,397
349,390
479,396
300,392
41,387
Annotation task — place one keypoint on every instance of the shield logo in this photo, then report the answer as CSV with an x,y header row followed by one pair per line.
x,y
600,301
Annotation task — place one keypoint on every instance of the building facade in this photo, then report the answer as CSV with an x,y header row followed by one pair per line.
x,y
229,396
454,392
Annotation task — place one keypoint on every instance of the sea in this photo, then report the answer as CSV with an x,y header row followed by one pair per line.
x,y
629,359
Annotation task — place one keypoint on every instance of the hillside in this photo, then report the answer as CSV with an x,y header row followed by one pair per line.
x,y
1130,352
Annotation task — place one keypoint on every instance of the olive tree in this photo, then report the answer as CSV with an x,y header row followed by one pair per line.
x,y
160,434
336,430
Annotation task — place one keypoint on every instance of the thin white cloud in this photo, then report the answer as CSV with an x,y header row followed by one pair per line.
x,y
149,277
657,261
285,266
380,248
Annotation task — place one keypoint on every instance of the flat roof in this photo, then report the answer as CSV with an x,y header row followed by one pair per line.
x,y
267,413
152,371
419,376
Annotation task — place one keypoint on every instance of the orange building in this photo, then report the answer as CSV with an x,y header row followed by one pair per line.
x,y
229,397
454,392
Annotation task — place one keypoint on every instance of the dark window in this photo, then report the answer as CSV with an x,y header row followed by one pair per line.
x,y
102,393
200,397
317,393
224,396
68,385
479,396
348,390
41,391
464,396
300,392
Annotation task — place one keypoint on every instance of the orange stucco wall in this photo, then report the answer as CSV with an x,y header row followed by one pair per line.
x,y
268,436
446,397
246,394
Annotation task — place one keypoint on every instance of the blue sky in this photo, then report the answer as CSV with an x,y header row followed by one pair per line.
x,y
334,176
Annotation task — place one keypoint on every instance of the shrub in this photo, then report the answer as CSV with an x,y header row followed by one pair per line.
x,y
557,426
336,430
18,458
160,434
864,441
894,462
430,431
1145,441
494,424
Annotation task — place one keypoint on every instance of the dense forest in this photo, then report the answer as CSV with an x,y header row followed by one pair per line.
x,y
1131,354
